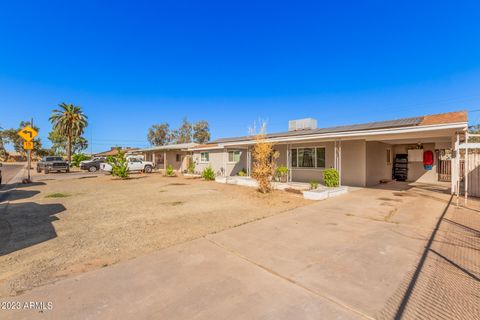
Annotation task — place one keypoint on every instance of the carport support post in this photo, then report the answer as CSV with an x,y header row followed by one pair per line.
x,y
337,161
466,168
289,163
164,162
249,162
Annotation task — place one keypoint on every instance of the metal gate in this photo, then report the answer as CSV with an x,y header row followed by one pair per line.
x,y
444,170
466,167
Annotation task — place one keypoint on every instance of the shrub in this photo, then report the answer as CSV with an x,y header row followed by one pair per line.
x,y
169,171
77,158
242,173
264,158
313,184
331,178
208,174
281,173
119,165
191,166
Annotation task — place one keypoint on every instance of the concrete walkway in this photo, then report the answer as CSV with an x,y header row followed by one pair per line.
x,y
350,257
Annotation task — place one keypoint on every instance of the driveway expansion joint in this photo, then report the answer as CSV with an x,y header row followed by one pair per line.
x,y
274,273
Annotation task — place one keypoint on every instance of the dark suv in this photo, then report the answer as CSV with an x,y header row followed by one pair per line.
x,y
93,164
49,164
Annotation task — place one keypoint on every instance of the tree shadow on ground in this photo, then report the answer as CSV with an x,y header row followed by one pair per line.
x,y
26,224
14,191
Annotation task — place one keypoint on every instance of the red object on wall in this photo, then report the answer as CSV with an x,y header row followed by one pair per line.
x,y
428,158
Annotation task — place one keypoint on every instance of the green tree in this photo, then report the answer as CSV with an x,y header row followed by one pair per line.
x,y
184,133
11,135
475,129
159,134
60,143
70,121
201,132
3,151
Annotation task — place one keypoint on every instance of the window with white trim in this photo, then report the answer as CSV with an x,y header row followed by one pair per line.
x,y
308,157
204,157
234,156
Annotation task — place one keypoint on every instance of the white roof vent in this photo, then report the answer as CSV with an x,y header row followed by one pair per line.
x,y
302,124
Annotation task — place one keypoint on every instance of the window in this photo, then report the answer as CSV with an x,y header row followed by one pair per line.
x,y
234,156
294,158
389,156
177,158
308,158
204,157
320,157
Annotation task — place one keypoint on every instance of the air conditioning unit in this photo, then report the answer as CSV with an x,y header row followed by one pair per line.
x,y
302,124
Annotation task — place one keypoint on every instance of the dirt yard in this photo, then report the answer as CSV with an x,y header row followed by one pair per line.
x,y
59,227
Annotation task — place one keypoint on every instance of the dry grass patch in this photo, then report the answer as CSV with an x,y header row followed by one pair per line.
x,y
108,221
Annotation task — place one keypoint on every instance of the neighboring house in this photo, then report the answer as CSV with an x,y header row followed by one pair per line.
x,y
114,151
364,154
177,155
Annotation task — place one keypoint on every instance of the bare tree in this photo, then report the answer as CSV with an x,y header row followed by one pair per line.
x,y
264,158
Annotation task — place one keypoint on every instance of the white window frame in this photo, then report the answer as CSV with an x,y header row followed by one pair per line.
x,y
233,153
314,157
202,159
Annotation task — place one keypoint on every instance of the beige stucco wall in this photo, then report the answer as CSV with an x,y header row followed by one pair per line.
x,y
378,167
215,161
234,167
282,154
354,163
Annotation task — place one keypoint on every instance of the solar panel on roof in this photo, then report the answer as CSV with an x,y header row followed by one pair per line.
x,y
406,122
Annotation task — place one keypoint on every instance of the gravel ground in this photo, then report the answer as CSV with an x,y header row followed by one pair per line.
x,y
60,227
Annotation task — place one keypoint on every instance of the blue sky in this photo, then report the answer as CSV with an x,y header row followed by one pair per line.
x,y
133,64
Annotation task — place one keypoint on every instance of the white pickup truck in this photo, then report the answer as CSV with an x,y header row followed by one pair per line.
x,y
134,164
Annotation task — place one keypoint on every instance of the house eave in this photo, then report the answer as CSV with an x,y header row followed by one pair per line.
x,y
356,134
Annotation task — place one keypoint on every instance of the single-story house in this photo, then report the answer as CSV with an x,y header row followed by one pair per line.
x,y
177,155
410,149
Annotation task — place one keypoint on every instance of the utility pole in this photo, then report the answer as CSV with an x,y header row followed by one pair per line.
x,y
29,156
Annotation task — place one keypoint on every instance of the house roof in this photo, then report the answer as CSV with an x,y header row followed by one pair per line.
x,y
114,151
179,146
437,119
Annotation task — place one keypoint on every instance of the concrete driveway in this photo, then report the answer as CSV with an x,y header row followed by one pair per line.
x,y
349,257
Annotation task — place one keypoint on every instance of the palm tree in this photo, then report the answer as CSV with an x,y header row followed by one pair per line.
x,y
70,121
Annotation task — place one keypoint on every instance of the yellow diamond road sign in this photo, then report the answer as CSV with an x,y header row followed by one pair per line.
x,y
28,145
27,133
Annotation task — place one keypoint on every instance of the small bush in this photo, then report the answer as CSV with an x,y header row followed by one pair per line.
x,y
242,173
281,174
330,178
191,166
313,184
77,158
208,174
169,171
119,165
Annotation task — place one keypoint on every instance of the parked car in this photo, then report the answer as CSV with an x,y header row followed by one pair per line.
x,y
134,164
92,165
49,164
